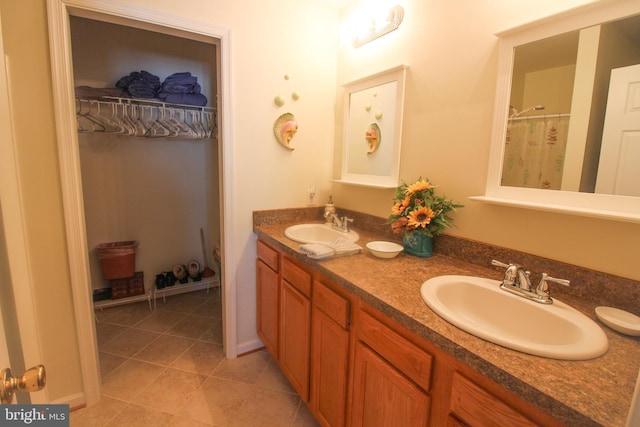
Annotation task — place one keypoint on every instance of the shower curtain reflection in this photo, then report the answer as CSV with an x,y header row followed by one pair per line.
x,y
535,151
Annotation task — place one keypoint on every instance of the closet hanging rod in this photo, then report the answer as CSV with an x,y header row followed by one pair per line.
x,y
146,119
541,116
151,102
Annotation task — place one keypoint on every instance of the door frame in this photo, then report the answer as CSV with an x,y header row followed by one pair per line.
x,y
70,172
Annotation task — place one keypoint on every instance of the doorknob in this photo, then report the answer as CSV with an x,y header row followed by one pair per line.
x,y
32,380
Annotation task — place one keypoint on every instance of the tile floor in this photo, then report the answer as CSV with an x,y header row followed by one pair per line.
x,y
167,368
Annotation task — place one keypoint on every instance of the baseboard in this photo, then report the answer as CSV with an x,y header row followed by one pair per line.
x,y
249,346
75,401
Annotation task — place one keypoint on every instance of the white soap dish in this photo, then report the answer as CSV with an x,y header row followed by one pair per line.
x,y
383,249
619,320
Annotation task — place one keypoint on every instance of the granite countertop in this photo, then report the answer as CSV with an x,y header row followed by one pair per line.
x,y
579,393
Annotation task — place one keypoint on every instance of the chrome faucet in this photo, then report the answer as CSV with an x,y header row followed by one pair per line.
x,y
340,224
514,276
517,281
543,287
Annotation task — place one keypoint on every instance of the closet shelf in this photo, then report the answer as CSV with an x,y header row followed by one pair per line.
x,y
145,118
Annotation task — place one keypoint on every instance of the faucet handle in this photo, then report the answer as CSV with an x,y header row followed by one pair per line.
x,y
543,286
511,273
499,264
345,222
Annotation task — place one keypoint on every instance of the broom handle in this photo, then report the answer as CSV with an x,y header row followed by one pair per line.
x,y
204,252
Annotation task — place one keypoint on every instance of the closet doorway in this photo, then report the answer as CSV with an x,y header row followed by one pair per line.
x,y
159,190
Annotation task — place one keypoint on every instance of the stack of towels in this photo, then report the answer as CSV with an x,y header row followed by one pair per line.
x,y
339,247
140,84
182,88
178,88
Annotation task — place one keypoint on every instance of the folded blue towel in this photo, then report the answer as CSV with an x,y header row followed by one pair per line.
x,y
140,84
196,99
180,83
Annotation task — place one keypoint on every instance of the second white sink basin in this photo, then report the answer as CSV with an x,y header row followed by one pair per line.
x,y
318,233
478,306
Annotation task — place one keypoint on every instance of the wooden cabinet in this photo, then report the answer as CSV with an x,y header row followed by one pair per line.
x,y
267,296
392,377
469,403
295,327
374,372
283,311
305,325
329,355
383,396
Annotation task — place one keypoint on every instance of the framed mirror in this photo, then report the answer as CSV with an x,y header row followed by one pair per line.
x,y
372,131
566,130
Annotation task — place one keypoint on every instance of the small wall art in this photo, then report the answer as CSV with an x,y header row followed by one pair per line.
x,y
373,136
284,129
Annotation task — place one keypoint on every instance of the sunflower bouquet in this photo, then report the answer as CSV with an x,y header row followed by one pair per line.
x,y
417,208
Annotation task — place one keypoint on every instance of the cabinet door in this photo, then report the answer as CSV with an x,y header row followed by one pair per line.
x,y
295,331
478,408
267,299
330,355
384,397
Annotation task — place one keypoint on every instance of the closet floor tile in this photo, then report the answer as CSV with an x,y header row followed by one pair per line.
x,y
164,350
130,342
185,303
109,362
161,321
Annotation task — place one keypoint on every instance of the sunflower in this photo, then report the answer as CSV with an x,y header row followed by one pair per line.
x,y
416,208
399,225
418,186
399,207
421,217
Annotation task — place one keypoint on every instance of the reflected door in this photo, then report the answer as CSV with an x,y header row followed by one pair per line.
x,y
618,172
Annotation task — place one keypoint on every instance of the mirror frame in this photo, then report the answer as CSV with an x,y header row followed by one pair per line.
x,y
396,74
622,208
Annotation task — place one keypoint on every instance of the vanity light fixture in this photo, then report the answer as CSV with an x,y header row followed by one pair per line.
x,y
378,29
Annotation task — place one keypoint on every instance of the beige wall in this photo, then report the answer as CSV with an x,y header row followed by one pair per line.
x,y
450,92
447,130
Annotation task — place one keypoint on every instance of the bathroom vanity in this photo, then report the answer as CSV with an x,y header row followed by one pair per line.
x,y
361,347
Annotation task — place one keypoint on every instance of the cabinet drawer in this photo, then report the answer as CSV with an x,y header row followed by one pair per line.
x,y
268,255
296,276
477,408
330,303
410,359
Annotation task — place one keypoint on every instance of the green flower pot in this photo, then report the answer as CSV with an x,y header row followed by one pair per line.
x,y
418,244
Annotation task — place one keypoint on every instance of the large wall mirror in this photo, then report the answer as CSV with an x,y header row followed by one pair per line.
x,y
566,130
372,130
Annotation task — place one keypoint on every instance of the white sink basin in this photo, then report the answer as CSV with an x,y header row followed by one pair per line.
x,y
478,306
318,233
